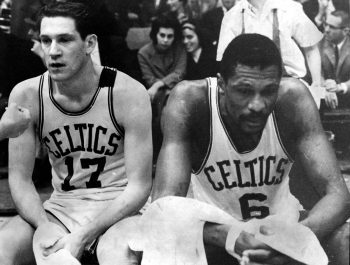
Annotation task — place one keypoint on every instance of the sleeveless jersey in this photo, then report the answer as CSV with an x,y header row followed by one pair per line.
x,y
86,152
251,184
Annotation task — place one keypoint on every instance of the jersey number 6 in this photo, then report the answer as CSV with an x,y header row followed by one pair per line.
x,y
85,163
249,212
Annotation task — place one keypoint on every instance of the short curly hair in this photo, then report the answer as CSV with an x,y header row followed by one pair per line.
x,y
165,22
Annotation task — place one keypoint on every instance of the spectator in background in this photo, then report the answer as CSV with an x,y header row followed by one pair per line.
x,y
335,50
325,7
208,5
17,63
179,10
287,25
201,61
211,21
163,65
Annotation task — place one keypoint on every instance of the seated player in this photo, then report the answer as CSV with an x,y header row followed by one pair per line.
x,y
239,135
96,125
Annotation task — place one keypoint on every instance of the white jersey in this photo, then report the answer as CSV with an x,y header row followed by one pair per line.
x,y
86,151
250,184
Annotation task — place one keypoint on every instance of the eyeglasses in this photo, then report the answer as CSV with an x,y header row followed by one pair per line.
x,y
325,24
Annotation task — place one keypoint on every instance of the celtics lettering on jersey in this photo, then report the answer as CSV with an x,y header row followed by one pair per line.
x,y
258,168
84,131
86,139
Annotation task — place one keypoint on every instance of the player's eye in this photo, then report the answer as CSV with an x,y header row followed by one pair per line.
x,y
45,41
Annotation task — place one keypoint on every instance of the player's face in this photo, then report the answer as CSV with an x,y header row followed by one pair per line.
x,y
64,50
190,39
165,38
250,96
333,29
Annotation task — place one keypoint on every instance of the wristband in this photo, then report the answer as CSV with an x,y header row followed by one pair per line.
x,y
231,239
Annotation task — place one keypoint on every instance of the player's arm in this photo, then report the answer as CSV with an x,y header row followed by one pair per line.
x,y
133,111
22,158
317,159
14,121
173,172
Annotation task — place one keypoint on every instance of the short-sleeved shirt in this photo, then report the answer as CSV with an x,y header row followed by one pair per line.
x,y
295,29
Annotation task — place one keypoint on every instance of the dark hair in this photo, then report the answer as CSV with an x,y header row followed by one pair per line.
x,y
344,16
250,50
164,22
81,13
203,37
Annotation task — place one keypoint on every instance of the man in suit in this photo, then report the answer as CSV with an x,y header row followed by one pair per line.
x,y
211,20
335,51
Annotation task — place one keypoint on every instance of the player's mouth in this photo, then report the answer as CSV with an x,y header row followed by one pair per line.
x,y
56,66
255,121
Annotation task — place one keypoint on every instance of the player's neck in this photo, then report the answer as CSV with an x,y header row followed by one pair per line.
x,y
85,81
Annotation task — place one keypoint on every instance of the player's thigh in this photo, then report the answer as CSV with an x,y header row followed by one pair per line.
x,y
16,242
113,245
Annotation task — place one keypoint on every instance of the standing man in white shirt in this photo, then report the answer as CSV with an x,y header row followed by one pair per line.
x,y
286,24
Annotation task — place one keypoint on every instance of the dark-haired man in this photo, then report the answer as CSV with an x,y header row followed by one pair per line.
x,y
96,125
239,135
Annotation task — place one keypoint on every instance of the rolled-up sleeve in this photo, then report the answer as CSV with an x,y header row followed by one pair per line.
x,y
304,31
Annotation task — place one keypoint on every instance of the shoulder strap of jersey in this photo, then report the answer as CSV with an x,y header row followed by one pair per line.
x,y
108,76
41,105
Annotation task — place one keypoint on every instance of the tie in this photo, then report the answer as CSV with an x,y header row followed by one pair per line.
x,y
336,56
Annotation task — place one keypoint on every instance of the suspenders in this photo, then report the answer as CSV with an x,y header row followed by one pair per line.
x,y
275,33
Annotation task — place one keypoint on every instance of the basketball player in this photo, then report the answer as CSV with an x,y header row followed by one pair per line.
x,y
14,121
96,125
239,134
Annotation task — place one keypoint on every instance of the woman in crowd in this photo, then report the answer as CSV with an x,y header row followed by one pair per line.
x,y
163,65
201,62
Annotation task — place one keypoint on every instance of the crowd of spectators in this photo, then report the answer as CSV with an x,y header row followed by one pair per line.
x,y
186,40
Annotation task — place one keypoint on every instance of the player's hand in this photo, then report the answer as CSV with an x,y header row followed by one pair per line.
x,y
71,242
254,252
331,100
14,121
331,85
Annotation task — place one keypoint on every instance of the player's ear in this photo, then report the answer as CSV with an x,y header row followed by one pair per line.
x,y
90,43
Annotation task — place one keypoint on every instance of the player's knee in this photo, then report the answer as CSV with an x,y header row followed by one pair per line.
x,y
15,242
114,244
118,235
337,245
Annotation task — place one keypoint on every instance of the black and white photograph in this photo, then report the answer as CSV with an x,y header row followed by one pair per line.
x,y
174,132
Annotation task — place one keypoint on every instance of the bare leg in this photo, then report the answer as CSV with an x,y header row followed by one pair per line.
x,y
16,242
113,246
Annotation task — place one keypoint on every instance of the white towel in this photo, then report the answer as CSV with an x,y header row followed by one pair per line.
x,y
171,232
